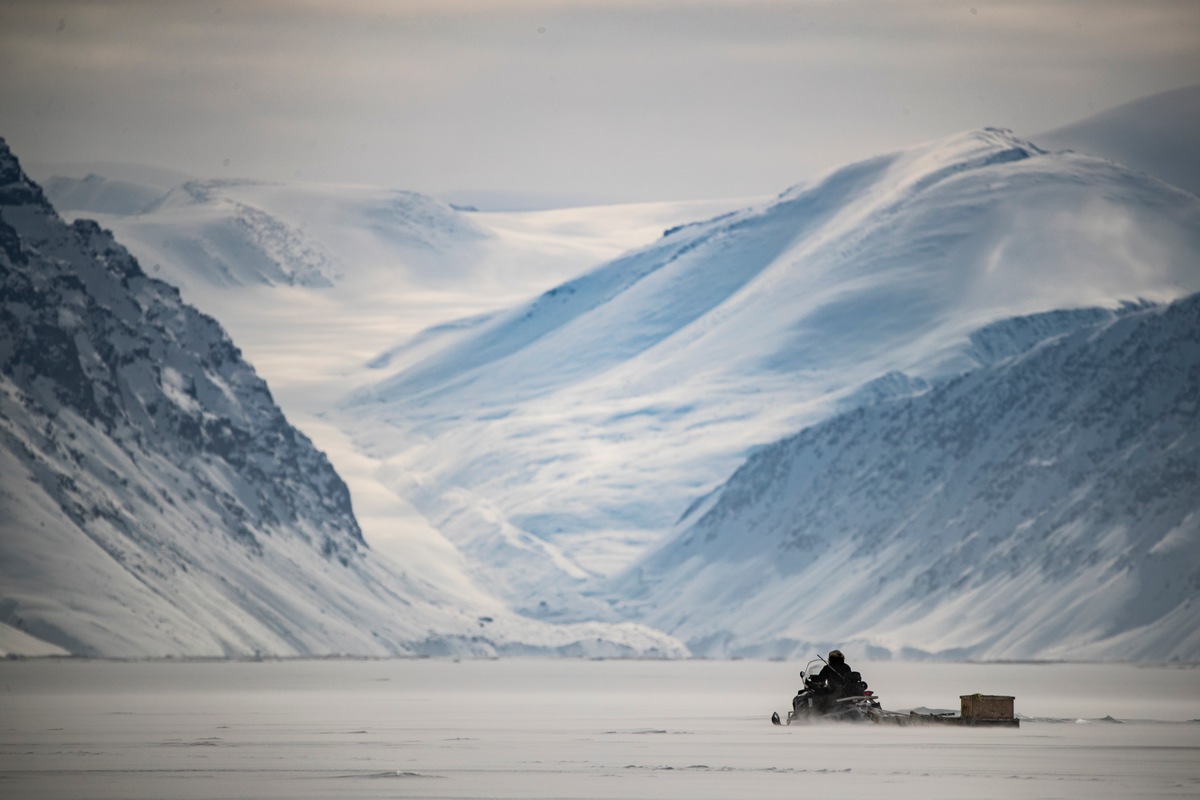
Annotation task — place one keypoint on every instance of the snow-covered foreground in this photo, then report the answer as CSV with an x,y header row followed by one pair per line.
x,y
578,729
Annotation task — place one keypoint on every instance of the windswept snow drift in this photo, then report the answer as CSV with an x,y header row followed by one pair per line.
x,y
1042,506
555,442
156,502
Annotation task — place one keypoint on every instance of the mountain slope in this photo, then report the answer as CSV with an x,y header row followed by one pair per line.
x,y
554,442
155,501
1043,506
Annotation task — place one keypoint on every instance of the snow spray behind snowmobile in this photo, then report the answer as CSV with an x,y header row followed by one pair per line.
x,y
850,701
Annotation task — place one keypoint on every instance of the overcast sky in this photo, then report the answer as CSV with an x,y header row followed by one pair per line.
x,y
574,101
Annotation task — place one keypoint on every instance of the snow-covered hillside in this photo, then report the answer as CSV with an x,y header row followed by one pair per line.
x,y
155,501
556,441
1046,505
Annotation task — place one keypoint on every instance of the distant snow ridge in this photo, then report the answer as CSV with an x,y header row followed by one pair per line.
x,y
556,441
417,220
94,193
156,502
1044,506
221,234
241,244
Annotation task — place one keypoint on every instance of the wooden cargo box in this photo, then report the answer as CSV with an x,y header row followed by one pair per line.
x,y
986,706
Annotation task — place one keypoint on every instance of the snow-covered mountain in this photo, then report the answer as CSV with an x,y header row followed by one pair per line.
x,y
555,442
1046,505
1155,134
155,501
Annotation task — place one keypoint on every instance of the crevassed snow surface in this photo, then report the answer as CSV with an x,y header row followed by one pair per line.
x,y
556,441
580,729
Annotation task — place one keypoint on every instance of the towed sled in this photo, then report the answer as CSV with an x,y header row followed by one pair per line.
x,y
850,701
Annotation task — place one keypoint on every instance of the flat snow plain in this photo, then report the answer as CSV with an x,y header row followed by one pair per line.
x,y
519,728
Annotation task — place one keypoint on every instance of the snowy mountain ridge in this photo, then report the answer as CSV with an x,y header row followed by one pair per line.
x,y
156,501
1016,335
1042,506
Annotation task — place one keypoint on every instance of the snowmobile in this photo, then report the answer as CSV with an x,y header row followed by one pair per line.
x,y
852,701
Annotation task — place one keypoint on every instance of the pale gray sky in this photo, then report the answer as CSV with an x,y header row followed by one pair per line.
x,y
580,100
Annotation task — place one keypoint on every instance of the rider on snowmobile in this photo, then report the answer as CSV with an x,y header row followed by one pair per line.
x,y
832,677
